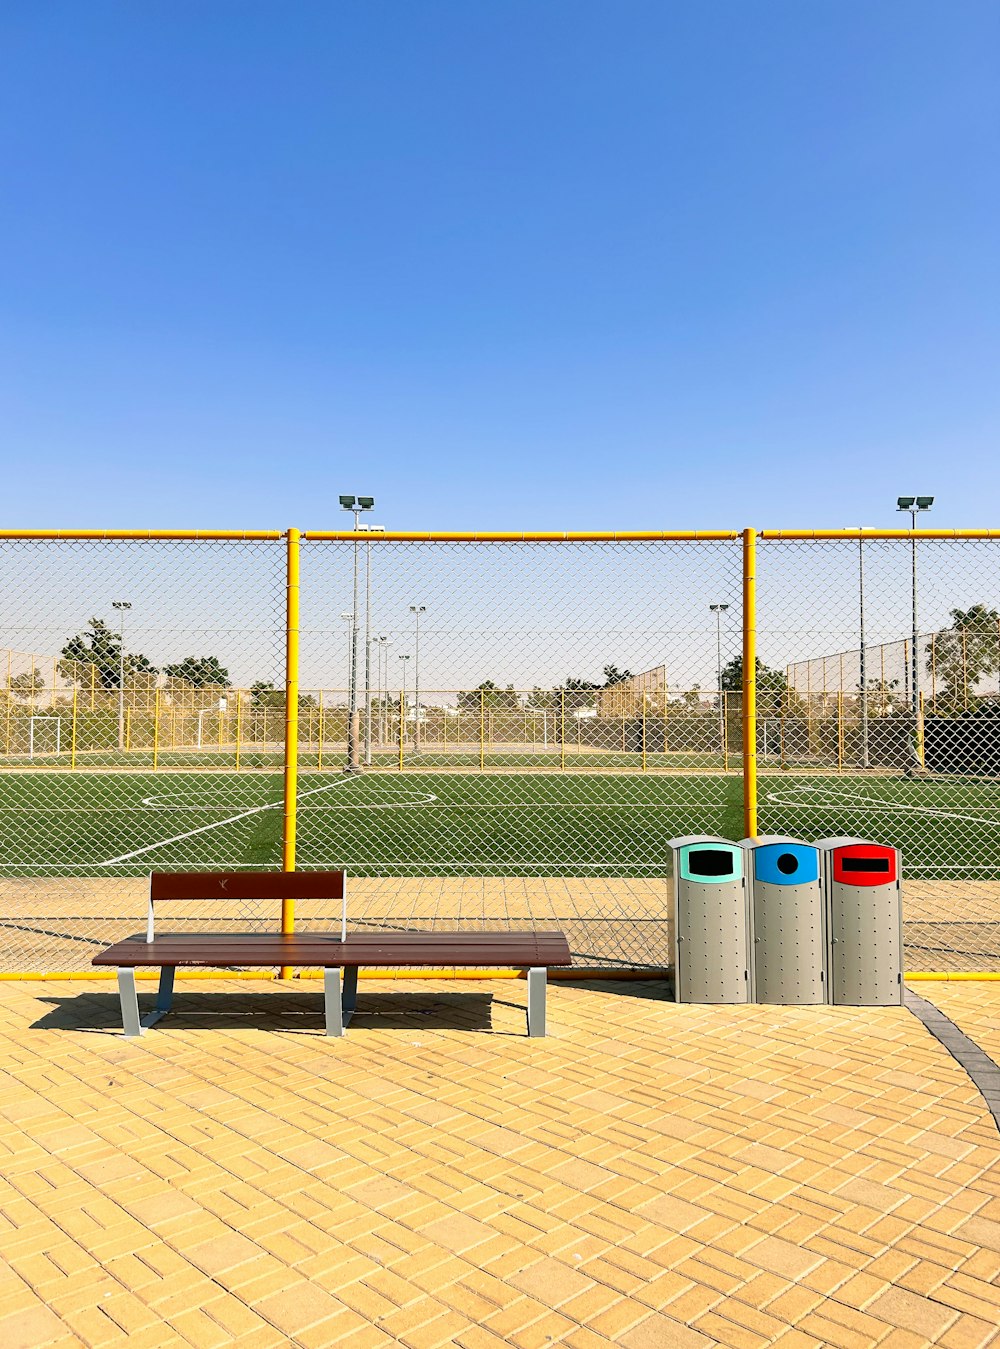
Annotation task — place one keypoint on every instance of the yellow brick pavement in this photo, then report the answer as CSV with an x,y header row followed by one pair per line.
x,y
648,1176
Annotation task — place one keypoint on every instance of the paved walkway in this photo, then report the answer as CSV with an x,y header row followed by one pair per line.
x,y
649,1176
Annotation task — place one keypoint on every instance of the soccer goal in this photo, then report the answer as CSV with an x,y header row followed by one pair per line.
x,y
44,736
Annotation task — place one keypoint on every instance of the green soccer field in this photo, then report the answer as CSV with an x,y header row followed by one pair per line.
x,y
496,823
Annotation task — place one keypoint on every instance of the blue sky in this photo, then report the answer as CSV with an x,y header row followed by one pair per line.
x,y
518,264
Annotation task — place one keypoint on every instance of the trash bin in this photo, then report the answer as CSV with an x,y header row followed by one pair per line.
x,y
864,922
709,920
787,921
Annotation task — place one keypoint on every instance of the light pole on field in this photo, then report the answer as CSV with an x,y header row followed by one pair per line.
x,y
913,506
719,610
122,606
355,505
402,700
348,618
383,686
416,610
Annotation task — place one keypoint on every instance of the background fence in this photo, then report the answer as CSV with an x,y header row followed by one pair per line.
x,y
491,730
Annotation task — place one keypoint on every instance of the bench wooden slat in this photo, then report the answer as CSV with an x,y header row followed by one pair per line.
x,y
246,885
427,949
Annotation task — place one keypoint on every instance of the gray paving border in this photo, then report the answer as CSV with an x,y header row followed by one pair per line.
x,y
984,1071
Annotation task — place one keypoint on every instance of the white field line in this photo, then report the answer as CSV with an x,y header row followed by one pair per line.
x,y
870,804
219,824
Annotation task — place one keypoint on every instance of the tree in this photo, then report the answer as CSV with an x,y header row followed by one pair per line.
x,y
576,695
28,685
263,694
199,671
96,655
960,656
490,697
882,701
612,675
773,695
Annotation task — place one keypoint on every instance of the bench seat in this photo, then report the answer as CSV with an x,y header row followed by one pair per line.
x,y
535,952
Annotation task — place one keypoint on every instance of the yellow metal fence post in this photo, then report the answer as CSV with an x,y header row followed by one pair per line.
x,y
319,746
72,733
239,729
482,729
750,682
402,716
291,785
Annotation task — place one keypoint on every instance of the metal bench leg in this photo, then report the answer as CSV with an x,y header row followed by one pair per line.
x,y
332,1005
164,996
130,1004
536,1001
350,998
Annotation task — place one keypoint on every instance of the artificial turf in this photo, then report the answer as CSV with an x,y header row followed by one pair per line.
x,y
501,822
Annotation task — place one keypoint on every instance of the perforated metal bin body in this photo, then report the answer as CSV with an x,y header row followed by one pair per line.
x,y
864,922
787,921
710,924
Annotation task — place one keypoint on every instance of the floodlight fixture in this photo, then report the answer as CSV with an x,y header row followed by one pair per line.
x,y
905,503
924,503
121,604
347,503
366,503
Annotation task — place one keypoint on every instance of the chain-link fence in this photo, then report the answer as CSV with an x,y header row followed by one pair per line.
x,y
528,724
490,731
153,665
855,737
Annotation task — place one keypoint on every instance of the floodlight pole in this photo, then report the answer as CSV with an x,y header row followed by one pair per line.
x,y
416,610
121,606
719,610
402,700
913,505
355,505
383,687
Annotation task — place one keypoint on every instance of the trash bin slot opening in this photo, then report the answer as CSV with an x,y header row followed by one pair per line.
x,y
710,862
864,864
788,864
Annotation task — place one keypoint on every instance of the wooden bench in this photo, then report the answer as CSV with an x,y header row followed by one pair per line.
x,y
534,952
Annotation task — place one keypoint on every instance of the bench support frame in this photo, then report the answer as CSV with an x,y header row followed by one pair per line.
x,y
537,983
340,999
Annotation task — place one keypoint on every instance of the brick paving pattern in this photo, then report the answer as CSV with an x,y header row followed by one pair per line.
x,y
649,1176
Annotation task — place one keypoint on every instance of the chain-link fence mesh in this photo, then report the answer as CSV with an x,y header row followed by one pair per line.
x,y
529,722
855,737
491,733
156,671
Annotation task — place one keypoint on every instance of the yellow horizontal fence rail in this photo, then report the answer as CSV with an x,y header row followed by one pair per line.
x,y
207,535
528,536
830,535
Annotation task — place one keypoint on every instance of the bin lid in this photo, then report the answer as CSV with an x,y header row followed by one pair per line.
x,y
857,862
783,861
708,860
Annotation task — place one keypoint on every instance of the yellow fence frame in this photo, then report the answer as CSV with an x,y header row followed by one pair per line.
x,y
294,538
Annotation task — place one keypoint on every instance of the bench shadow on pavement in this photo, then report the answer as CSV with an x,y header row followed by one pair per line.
x,y
291,1012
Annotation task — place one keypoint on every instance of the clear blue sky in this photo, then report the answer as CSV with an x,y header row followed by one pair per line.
x,y
501,263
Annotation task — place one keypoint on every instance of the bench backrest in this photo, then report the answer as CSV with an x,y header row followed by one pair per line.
x,y
277,885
